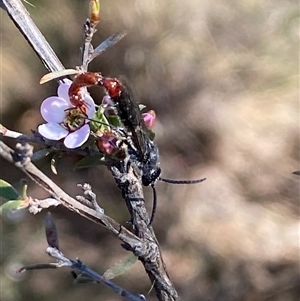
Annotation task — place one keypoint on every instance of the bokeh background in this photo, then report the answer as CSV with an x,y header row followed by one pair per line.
x,y
223,79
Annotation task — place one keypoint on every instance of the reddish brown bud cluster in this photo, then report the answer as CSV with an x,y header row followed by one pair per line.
x,y
110,144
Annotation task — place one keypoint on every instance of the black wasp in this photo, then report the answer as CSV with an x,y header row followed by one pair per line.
x,y
142,151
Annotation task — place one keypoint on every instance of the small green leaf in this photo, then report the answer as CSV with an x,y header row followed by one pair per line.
x,y
99,121
7,191
51,232
141,106
23,195
151,135
120,267
58,74
54,161
11,205
40,154
38,266
114,120
91,161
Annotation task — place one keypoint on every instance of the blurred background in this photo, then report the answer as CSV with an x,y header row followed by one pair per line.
x,y
223,79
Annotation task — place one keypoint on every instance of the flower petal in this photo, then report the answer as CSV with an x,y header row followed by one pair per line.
x,y
78,137
91,109
52,131
106,100
53,109
63,90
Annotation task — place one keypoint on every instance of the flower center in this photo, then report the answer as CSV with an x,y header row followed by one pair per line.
x,y
74,119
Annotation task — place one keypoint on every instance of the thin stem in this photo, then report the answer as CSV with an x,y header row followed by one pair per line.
x,y
20,16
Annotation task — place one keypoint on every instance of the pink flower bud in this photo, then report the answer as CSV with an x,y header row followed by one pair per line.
x,y
149,118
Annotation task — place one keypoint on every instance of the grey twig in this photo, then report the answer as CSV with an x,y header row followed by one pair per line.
x,y
112,40
64,261
20,16
89,31
90,196
132,191
21,161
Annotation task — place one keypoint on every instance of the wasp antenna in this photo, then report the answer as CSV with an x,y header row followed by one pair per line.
x,y
104,123
181,181
101,122
154,205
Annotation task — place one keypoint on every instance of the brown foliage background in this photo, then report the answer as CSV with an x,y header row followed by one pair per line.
x,y
223,79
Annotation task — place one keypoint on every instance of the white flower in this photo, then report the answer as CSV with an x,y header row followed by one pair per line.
x,y
64,120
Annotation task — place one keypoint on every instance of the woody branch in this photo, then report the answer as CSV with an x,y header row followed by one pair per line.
x,y
143,243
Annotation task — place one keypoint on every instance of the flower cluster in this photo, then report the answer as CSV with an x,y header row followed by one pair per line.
x,y
70,123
